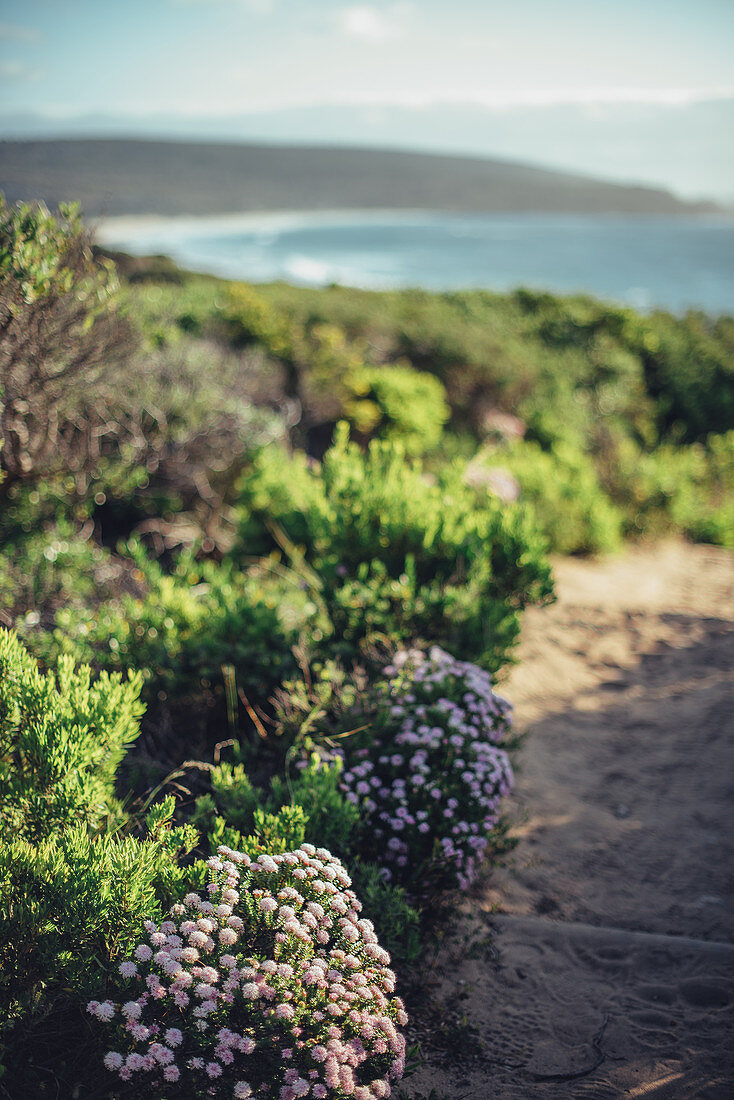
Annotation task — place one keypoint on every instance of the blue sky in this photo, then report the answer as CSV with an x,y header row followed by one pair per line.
x,y
380,72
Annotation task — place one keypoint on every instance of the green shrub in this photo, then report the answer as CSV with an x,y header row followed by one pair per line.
x,y
73,905
396,554
62,738
333,378
75,882
491,350
251,319
235,803
584,376
398,403
689,489
562,487
688,363
575,360
184,626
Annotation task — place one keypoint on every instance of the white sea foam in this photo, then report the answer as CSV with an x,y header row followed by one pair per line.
x,y
306,270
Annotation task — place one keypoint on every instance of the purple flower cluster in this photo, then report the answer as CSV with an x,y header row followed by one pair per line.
x,y
431,785
272,987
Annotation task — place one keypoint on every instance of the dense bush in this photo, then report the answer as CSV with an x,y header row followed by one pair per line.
x,y
62,738
429,781
74,902
273,981
689,489
332,376
398,403
576,357
250,318
396,555
74,882
307,803
562,487
583,376
180,628
688,365
59,333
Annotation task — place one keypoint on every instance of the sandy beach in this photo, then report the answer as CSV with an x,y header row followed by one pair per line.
x,y
135,227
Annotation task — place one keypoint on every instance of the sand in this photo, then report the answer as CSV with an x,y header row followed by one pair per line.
x,y
603,957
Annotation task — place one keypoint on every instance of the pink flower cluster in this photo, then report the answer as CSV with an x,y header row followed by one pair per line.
x,y
430,788
273,986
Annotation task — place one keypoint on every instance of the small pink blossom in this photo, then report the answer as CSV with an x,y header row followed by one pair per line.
x,y
294,966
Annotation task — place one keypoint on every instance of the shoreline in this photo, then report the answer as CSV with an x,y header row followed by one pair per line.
x,y
108,229
140,224
393,249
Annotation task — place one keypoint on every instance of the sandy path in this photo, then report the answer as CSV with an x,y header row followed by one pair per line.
x,y
610,965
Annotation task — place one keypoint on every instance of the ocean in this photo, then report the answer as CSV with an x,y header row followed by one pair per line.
x,y
647,262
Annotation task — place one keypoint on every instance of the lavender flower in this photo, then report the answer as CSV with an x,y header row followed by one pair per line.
x,y
437,772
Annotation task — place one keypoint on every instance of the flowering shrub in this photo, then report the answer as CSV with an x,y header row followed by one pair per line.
x,y
73,904
274,987
430,787
309,804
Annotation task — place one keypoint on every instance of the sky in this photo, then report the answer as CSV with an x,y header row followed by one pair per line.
x,y
632,89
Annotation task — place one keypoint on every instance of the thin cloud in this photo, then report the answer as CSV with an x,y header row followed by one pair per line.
x,y
261,7
18,71
366,23
494,100
10,32
381,103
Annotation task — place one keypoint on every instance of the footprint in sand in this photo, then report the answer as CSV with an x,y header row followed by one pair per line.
x,y
660,994
705,994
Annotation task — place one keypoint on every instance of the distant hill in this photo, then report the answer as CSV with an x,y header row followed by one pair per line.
x,y
115,177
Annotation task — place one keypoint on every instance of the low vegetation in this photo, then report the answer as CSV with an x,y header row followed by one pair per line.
x,y
263,552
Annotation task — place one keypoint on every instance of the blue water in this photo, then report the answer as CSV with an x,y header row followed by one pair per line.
x,y
646,262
